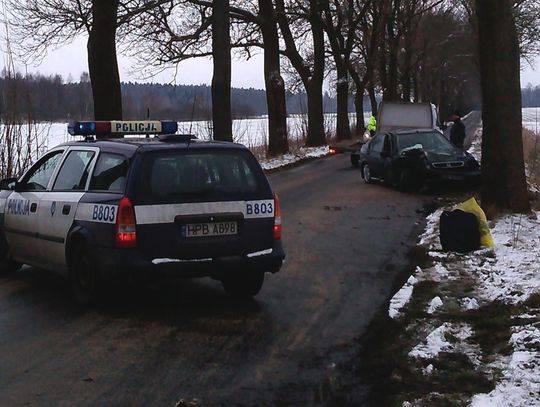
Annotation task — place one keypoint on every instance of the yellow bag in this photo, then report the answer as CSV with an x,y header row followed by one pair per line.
x,y
472,206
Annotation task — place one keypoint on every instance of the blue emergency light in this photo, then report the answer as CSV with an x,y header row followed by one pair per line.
x,y
122,127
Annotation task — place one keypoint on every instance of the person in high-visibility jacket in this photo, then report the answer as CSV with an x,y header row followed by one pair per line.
x,y
372,125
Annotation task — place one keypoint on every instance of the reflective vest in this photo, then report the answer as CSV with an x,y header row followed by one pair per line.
x,y
372,124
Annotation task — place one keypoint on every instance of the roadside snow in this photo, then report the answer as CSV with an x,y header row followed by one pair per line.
x,y
434,305
402,297
520,385
509,273
304,152
435,344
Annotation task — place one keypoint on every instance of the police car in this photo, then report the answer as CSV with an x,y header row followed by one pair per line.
x,y
170,204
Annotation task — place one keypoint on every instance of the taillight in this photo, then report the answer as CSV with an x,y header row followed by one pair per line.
x,y
277,218
126,235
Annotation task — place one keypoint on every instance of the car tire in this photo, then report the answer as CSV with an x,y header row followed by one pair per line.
x,y
366,174
83,275
355,161
7,265
243,284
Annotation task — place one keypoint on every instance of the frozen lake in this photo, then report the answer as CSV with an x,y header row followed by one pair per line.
x,y
250,132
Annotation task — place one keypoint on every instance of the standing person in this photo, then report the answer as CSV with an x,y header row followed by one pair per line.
x,y
372,125
457,132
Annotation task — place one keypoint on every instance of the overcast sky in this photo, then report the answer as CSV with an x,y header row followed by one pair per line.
x,y
71,60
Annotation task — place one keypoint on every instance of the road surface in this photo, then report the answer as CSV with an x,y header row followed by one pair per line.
x,y
153,346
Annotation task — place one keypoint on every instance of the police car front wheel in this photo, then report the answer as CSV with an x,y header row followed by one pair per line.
x,y
243,284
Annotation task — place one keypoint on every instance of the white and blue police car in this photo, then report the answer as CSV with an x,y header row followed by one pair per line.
x,y
96,210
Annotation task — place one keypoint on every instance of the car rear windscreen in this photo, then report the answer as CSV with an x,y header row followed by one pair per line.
x,y
191,176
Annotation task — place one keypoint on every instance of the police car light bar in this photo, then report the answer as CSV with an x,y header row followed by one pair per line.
x,y
122,127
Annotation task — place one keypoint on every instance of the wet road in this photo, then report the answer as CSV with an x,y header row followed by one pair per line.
x,y
345,243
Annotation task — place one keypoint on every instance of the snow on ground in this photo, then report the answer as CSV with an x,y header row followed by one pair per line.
x,y
509,272
531,118
402,297
520,384
302,153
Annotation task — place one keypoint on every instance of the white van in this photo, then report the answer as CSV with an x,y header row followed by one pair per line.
x,y
403,115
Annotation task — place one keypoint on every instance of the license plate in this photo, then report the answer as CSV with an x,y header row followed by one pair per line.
x,y
454,177
210,229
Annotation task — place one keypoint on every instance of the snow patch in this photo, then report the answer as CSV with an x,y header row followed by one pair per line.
x,y
434,305
402,297
304,152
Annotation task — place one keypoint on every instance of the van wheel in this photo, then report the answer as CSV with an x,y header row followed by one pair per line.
x,y
244,284
7,265
84,276
366,174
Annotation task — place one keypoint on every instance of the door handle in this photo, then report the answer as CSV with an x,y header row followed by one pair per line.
x,y
66,209
33,207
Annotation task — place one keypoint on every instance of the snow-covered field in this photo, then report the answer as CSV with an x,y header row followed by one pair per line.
x,y
508,273
531,119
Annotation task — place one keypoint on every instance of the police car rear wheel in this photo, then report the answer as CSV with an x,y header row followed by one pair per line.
x,y
84,276
243,284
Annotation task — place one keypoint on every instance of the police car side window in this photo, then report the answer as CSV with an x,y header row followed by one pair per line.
x,y
38,178
74,172
110,173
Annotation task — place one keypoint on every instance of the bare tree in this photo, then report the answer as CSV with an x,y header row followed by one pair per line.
x,y
275,86
308,64
221,79
504,186
178,33
40,25
341,21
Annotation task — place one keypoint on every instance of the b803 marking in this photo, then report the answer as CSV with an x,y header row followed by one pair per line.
x,y
104,213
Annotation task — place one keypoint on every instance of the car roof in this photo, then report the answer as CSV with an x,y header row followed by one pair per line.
x,y
166,142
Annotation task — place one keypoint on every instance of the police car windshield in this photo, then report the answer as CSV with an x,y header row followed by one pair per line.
x,y
199,175
427,141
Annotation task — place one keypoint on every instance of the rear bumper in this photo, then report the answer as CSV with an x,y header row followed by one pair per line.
x,y
129,262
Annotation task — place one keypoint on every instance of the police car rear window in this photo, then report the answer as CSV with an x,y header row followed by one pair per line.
x,y
200,175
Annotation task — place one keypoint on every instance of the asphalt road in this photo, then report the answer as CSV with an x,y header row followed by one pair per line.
x,y
152,346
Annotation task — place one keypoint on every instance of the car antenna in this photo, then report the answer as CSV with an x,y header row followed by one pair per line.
x,y
147,118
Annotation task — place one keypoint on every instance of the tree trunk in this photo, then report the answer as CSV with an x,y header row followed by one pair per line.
x,y
343,126
221,80
314,85
102,61
316,136
278,142
504,185
359,107
373,100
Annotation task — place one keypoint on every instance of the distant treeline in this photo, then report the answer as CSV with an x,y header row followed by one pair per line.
x,y
530,96
49,98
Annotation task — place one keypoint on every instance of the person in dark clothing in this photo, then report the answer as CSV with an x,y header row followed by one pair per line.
x,y
457,132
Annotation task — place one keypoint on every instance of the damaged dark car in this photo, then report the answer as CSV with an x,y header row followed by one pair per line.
x,y
412,159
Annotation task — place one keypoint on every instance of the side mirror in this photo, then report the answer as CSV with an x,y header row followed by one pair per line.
x,y
8,184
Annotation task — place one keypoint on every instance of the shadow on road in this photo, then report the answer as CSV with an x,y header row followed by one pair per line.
x,y
170,301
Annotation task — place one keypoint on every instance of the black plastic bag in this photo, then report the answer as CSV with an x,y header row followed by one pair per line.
x,y
459,231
